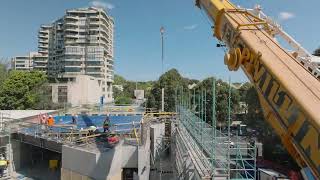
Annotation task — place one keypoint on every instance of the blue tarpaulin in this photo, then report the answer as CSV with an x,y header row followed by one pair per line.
x,y
84,121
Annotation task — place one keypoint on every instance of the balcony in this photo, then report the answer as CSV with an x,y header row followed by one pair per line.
x,y
71,17
71,29
93,72
71,35
43,36
43,46
71,23
44,41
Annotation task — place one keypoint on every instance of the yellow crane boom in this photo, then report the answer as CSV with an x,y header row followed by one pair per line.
x,y
288,93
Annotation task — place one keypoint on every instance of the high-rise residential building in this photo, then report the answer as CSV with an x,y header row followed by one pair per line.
x,y
22,63
43,39
32,61
80,43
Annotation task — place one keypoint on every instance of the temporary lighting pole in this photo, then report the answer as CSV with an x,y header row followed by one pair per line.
x,y
162,57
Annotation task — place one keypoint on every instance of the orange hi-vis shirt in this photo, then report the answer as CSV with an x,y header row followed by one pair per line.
x,y
50,121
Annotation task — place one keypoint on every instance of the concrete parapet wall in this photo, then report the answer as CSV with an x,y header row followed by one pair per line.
x,y
71,175
100,164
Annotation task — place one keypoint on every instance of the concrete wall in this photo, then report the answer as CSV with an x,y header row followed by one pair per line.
x,y
21,154
129,156
84,90
106,164
71,175
156,133
144,153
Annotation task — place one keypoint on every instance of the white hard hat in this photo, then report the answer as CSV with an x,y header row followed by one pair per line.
x,y
93,128
50,115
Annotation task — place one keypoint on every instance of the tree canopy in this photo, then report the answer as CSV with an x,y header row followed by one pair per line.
x,y
170,81
20,90
3,73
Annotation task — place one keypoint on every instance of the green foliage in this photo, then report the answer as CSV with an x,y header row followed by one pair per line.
x,y
243,91
123,101
20,90
119,80
222,95
254,117
3,73
129,87
170,81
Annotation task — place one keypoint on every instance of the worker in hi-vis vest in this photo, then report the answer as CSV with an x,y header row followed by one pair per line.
x,y
50,121
106,124
3,165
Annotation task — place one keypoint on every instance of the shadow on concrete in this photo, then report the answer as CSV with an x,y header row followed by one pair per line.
x,y
34,163
87,120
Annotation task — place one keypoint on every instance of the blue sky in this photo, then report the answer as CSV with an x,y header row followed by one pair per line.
x,y
189,45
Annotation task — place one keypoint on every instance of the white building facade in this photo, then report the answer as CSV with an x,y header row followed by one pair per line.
x,y
81,43
32,61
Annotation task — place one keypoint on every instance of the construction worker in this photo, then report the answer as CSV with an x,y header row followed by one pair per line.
x,y
3,165
106,124
74,119
43,122
50,121
92,130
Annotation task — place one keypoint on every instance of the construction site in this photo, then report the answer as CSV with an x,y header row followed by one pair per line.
x,y
94,137
147,144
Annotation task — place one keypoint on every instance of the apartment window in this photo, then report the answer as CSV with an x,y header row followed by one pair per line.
x,y
72,63
93,63
71,69
49,92
62,94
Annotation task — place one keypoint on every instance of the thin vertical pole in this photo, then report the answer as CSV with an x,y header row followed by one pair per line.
x,y
189,100
213,125
205,105
162,47
201,122
201,104
229,121
194,98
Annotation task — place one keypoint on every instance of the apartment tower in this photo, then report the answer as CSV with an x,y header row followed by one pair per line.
x,y
80,43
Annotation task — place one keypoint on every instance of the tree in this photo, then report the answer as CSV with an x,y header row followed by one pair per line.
x,y
170,81
119,80
123,101
20,90
3,73
222,95
243,91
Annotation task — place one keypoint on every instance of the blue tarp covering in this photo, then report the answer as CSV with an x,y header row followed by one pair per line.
x,y
84,121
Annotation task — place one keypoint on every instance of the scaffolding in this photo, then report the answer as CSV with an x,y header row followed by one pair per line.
x,y
215,153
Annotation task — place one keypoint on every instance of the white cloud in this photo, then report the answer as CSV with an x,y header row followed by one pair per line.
x,y
101,4
191,27
286,15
